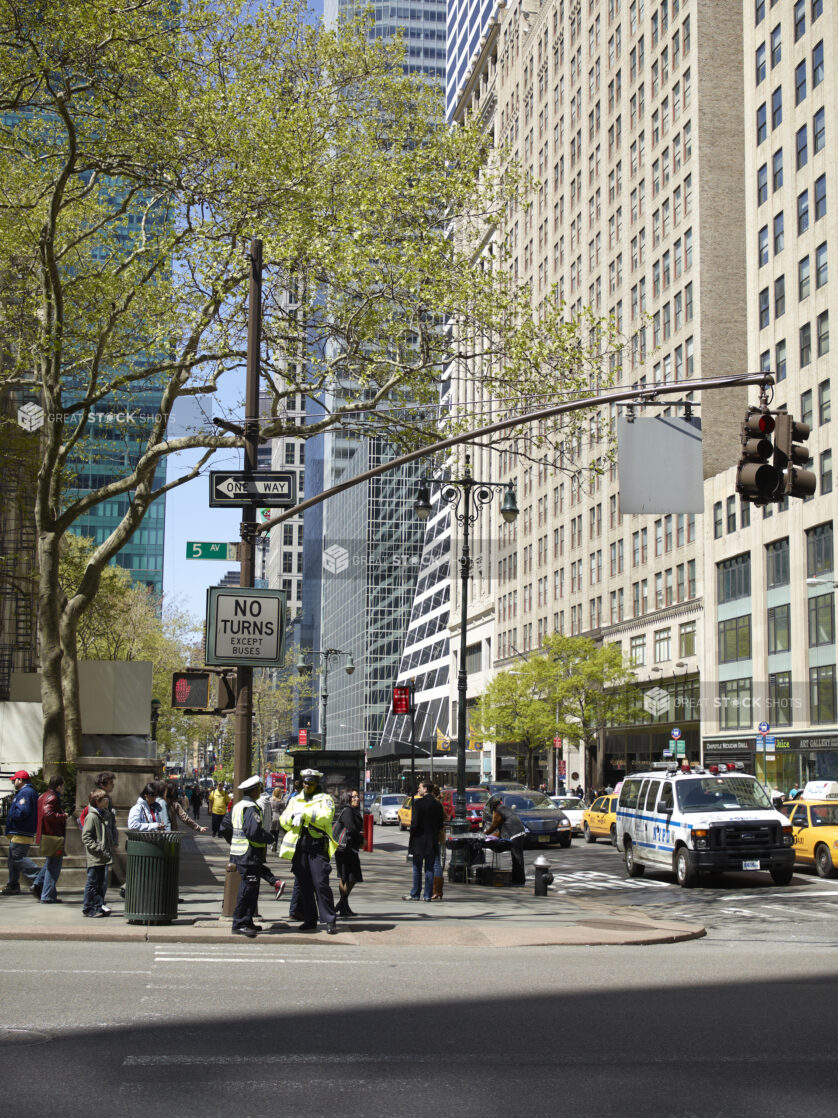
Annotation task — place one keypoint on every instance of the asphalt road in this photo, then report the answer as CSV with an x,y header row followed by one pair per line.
x,y
740,1023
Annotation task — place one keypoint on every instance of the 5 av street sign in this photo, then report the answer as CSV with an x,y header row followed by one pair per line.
x,y
275,489
206,550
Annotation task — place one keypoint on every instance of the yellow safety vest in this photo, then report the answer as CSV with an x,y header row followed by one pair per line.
x,y
240,841
316,815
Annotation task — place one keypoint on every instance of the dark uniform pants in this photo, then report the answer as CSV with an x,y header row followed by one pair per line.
x,y
247,902
312,872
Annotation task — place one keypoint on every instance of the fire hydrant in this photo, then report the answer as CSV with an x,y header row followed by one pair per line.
x,y
543,877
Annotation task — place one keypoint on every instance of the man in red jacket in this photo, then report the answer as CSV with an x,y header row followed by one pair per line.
x,y
52,826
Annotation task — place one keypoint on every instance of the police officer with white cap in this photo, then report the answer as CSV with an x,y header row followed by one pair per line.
x,y
248,850
309,845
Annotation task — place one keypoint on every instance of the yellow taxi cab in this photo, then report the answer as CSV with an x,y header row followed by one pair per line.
x,y
447,797
405,812
815,831
600,819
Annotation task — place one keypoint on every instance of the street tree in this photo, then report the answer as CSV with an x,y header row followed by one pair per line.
x,y
142,146
586,687
512,712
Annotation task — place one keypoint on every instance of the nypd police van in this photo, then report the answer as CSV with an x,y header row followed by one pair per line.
x,y
702,821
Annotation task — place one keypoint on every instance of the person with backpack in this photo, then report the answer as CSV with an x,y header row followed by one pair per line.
x,y
21,827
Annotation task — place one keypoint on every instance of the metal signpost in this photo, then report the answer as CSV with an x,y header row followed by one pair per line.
x,y
763,729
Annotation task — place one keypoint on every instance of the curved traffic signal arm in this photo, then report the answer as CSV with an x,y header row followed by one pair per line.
x,y
757,480
790,456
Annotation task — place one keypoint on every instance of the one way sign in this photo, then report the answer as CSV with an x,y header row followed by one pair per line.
x,y
275,489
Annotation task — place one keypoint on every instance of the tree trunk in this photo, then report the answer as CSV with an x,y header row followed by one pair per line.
x,y
70,682
52,699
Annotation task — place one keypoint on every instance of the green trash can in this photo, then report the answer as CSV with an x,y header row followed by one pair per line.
x,y
152,876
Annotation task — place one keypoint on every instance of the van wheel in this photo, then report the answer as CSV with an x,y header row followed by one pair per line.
x,y
633,868
783,876
823,862
614,835
586,830
685,871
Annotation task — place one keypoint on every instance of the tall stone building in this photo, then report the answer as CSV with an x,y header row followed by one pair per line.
x,y
769,644
629,115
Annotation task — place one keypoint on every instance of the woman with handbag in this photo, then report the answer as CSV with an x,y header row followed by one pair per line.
x,y
52,828
348,831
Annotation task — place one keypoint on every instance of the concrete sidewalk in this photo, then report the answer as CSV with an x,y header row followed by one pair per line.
x,y
468,916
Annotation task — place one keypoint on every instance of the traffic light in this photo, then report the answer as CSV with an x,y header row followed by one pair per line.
x,y
757,480
203,691
789,456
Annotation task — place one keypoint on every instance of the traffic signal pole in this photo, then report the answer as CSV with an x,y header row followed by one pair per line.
x,y
247,550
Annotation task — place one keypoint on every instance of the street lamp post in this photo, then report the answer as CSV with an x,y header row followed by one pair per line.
x,y
467,497
330,657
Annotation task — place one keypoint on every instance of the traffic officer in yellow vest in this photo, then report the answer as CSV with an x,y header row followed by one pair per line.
x,y
248,850
308,845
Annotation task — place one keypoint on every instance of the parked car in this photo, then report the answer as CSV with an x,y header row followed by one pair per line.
x,y
493,786
545,824
369,800
574,809
600,819
385,807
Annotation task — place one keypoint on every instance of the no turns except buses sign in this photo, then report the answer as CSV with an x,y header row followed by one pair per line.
x,y
245,626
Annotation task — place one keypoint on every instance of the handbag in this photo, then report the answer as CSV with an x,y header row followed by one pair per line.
x,y
343,841
52,845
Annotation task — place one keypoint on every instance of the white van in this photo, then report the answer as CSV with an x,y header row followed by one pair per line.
x,y
701,821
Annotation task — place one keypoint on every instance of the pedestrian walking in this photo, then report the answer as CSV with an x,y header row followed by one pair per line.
x,y
96,838
197,799
439,880
308,845
507,825
276,805
348,832
248,850
176,812
218,801
52,828
427,819
21,828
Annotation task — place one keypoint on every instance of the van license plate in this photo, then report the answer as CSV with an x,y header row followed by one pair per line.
x,y
750,865
543,838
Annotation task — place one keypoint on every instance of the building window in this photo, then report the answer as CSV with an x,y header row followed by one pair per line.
x,y
735,703
779,233
817,64
822,694
686,639
779,635
805,344
777,169
779,296
759,64
663,645
733,579
823,333
638,651
776,45
731,514
735,639
800,83
777,107
762,241
799,19
474,658
803,211
779,699
803,278
820,197
821,268
717,520
819,560
777,563
762,123
801,147
764,308
818,131
780,360
824,402
821,620
762,184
